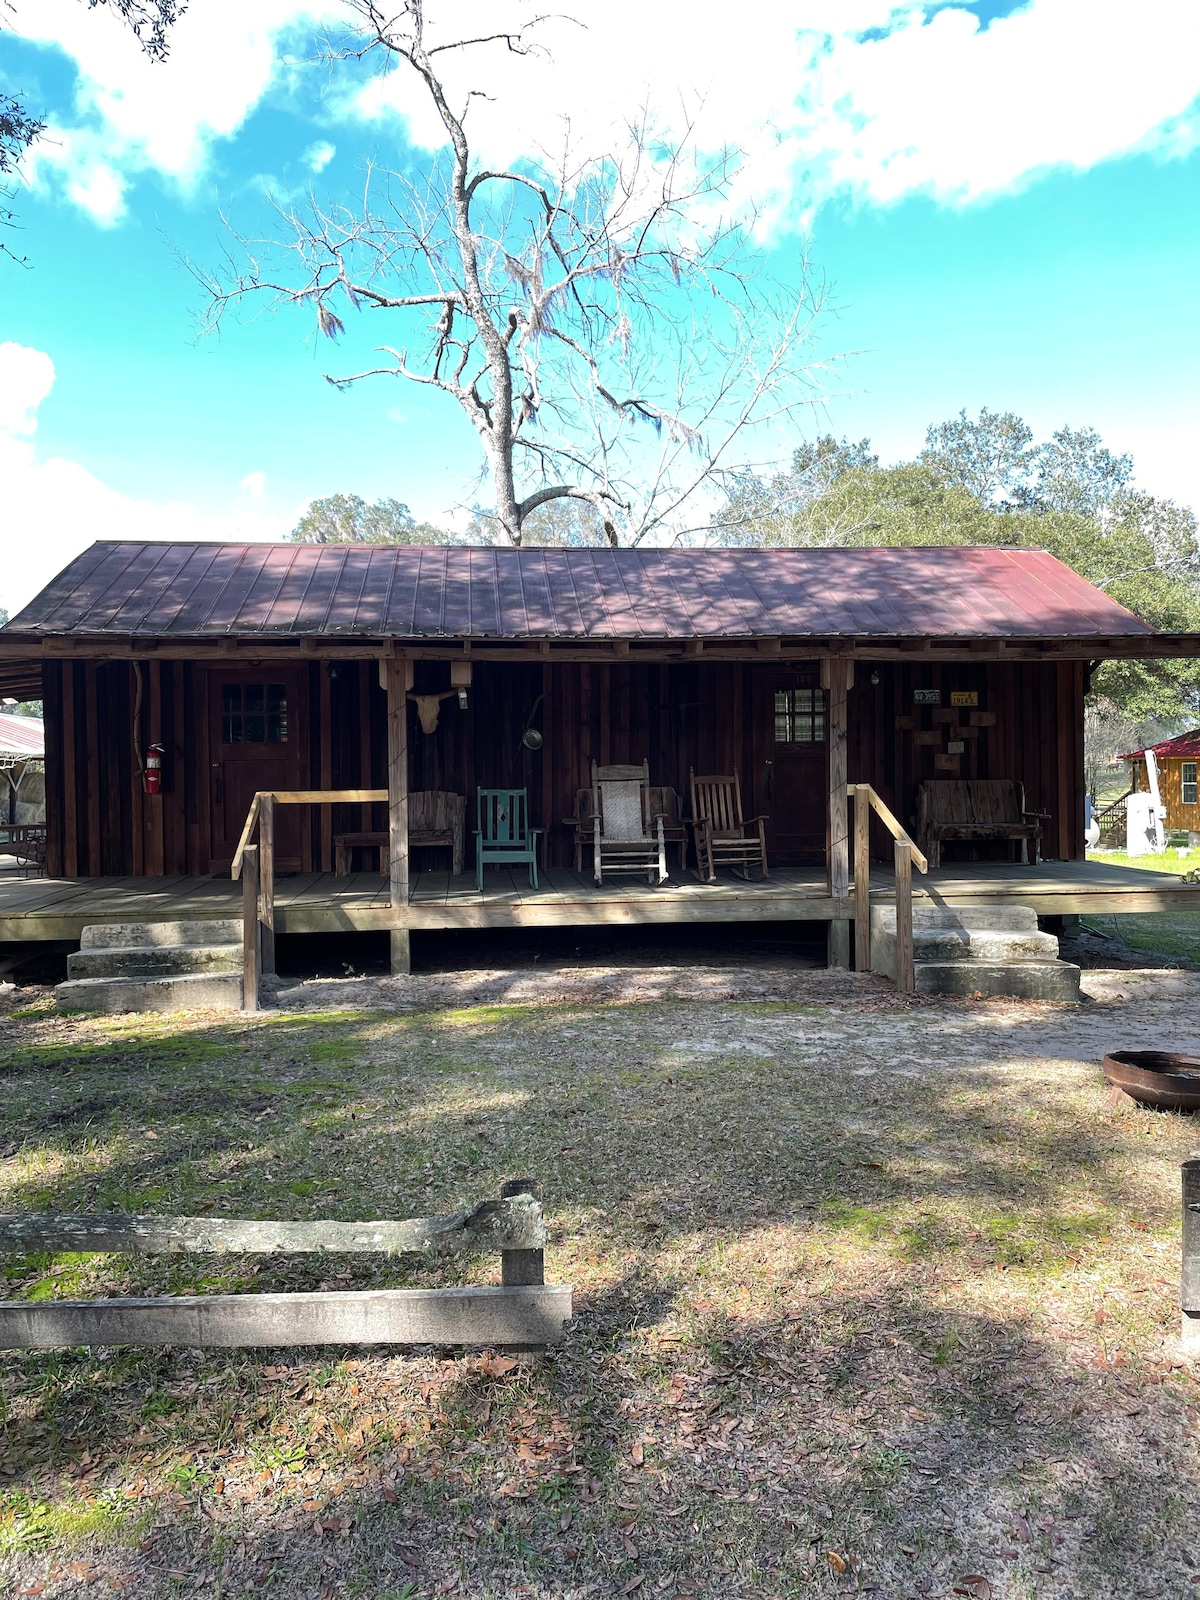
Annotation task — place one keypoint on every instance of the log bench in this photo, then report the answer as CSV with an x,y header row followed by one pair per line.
x,y
974,809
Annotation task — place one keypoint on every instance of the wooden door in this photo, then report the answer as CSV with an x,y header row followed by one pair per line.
x,y
795,777
257,740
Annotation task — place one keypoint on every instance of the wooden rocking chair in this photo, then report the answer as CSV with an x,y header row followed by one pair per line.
x,y
723,835
626,837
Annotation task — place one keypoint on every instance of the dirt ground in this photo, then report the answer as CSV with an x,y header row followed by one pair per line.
x,y
873,1295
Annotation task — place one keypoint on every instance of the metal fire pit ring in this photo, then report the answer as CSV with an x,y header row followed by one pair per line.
x,y
1156,1078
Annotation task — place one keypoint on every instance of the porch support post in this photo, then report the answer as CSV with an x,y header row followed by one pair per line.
x,y
837,674
398,681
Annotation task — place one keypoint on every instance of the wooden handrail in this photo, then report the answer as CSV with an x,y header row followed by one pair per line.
x,y
300,797
899,833
906,856
235,870
259,861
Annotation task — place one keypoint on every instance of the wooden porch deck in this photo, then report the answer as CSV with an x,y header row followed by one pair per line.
x,y
59,908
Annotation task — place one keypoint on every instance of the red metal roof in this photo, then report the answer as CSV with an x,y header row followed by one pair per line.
x,y
204,590
23,736
1185,745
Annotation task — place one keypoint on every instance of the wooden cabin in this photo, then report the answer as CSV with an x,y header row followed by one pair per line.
x,y
255,668
1178,764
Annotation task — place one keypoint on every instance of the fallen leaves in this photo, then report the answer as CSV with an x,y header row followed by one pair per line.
x,y
492,1366
974,1585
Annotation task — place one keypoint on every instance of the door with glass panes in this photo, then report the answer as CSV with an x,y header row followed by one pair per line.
x,y
256,741
795,772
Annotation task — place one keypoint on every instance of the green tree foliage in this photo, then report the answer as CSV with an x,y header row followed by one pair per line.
x,y
565,524
988,457
986,481
348,519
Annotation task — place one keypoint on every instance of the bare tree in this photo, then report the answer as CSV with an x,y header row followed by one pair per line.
x,y
604,343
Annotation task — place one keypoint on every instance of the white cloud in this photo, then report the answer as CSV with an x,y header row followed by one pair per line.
x,y
871,98
318,156
26,378
132,115
55,508
877,99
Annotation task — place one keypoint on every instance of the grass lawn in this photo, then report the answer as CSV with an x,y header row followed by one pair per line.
x,y
875,1297
1173,934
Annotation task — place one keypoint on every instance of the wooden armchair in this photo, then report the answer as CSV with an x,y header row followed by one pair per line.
x,y
504,837
723,835
626,836
663,802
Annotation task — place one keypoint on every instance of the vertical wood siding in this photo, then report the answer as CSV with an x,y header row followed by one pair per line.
x,y
714,717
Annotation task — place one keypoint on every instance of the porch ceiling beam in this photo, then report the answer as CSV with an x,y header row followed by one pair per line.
x,y
257,649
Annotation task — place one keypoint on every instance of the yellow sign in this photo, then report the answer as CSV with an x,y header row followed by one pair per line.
x,y
964,697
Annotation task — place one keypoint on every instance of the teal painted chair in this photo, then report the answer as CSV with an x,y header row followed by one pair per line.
x,y
504,837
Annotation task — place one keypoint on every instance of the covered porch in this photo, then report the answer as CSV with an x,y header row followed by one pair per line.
x,y
45,909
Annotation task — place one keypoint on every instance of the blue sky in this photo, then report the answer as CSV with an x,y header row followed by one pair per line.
x,y
1003,199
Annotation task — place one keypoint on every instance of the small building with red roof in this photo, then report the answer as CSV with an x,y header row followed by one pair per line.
x,y
1178,763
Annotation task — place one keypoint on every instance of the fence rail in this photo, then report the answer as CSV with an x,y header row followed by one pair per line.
x,y
524,1311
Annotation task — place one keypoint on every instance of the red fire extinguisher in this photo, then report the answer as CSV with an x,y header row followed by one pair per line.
x,y
152,776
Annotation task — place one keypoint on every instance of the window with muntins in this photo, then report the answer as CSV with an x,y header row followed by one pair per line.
x,y
1189,783
254,713
799,716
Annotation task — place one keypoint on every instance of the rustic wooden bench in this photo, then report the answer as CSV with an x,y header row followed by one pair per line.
x,y
436,821
976,809
26,841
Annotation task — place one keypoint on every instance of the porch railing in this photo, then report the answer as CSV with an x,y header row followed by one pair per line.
x,y
907,855
254,864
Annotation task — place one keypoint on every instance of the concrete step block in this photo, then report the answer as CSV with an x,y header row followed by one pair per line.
x,y
974,944
191,991
990,918
138,935
1019,980
155,961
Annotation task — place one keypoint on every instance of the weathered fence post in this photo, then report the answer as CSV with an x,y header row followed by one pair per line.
x,y
250,928
522,1267
1189,1277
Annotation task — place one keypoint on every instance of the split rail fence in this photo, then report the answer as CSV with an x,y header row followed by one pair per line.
x,y
523,1312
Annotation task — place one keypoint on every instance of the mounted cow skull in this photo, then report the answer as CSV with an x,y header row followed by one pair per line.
x,y
429,705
